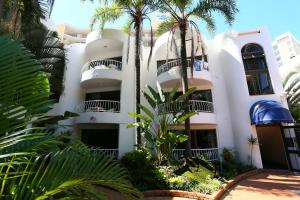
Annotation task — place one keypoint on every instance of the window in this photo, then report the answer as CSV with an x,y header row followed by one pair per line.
x,y
201,139
256,70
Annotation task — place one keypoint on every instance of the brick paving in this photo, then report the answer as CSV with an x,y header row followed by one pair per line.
x,y
269,185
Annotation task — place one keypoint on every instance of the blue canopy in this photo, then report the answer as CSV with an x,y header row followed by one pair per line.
x,y
269,112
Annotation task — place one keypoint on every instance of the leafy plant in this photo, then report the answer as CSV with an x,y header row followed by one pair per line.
x,y
34,162
72,172
143,173
157,124
252,141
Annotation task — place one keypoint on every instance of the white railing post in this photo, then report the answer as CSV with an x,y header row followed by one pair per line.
x,y
176,63
211,154
107,152
109,63
99,106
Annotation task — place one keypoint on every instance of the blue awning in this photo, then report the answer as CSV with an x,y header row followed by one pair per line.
x,y
269,112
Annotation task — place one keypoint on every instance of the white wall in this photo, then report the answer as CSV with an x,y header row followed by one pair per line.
x,y
227,76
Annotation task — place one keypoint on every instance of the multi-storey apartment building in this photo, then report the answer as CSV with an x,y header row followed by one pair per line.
x,y
286,47
239,93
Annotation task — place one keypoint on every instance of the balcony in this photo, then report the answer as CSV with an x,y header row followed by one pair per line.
x,y
194,105
205,111
104,72
211,154
169,73
100,111
99,106
107,152
109,40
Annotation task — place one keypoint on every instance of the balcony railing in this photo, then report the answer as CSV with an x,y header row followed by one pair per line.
x,y
211,154
105,64
99,106
176,63
194,105
108,152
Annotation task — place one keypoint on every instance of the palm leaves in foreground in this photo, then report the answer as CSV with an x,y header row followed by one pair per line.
x,y
73,173
24,88
27,169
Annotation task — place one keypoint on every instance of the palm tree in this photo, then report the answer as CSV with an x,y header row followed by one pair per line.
x,y
21,18
182,13
138,11
34,162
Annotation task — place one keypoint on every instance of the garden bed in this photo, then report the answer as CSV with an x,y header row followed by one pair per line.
x,y
170,194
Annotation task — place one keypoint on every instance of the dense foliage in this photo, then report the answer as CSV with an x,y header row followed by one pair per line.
x,y
36,163
166,111
142,170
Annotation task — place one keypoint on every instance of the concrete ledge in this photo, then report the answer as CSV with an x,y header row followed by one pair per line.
x,y
235,181
176,193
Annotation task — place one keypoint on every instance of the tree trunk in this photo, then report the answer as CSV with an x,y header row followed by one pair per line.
x,y
138,82
185,84
1,9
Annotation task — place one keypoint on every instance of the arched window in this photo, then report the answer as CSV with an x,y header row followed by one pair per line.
x,y
256,69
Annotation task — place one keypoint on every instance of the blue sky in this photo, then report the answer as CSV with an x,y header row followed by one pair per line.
x,y
278,16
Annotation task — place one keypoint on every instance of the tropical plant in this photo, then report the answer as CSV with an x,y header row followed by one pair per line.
x,y
21,19
182,12
158,122
138,11
19,16
72,173
252,141
27,169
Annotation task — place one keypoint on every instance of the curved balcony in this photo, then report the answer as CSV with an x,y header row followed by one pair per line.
x,y
194,105
109,40
99,106
104,72
205,111
169,73
100,111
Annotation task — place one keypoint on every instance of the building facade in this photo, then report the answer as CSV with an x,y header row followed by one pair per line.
x,y
239,76
285,47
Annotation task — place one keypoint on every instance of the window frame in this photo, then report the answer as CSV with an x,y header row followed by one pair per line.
x,y
255,88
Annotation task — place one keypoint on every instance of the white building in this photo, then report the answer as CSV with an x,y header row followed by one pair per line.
x,y
241,71
286,47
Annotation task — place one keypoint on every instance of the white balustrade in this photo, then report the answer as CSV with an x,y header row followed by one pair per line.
x,y
177,63
211,154
105,64
107,152
99,106
194,105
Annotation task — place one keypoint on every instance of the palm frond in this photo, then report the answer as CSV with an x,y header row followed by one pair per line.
x,y
64,173
24,88
49,50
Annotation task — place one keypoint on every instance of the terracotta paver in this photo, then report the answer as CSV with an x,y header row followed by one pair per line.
x,y
269,185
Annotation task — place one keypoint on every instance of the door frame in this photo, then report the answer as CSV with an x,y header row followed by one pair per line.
x,y
287,150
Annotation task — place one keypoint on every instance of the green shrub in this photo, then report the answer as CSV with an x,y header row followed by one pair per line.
x,y
144,175
208,186
231,167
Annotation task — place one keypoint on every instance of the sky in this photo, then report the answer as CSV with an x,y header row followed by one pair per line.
x,y
276,15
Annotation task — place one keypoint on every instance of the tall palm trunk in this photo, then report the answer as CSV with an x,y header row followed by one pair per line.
x,y
138,81
185,84
1,9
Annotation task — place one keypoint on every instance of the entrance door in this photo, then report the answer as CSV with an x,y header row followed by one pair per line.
x,y
271,146
291,135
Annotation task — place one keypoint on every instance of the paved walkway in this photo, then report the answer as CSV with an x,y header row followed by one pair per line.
x,y
271,185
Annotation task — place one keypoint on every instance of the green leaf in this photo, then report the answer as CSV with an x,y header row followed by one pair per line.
x,y
147,111
183,117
